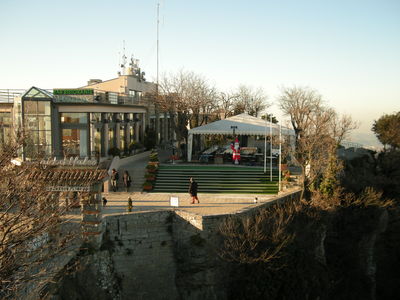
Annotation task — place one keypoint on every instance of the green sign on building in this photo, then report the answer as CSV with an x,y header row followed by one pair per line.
x,y
73,92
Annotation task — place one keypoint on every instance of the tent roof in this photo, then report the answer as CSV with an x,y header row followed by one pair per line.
x,y
246,125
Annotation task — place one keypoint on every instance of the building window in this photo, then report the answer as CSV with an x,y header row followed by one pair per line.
x,y
74,118
74,142
37,120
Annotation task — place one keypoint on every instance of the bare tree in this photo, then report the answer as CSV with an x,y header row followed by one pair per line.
x,y
34,230
226,104
188,98
249,100
318,131
257,238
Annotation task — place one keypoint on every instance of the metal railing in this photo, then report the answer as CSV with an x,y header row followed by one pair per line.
x,y
8,95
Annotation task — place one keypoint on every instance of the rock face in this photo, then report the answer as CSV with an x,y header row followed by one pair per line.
x,y
349,253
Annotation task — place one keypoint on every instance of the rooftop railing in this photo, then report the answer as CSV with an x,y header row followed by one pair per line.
x,y
8,96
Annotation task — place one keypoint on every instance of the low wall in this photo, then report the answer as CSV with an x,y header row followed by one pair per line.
x,y
170,254
157,255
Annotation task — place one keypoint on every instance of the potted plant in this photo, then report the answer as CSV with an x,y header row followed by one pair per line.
x,y
153,158
151,168
150,176
147,186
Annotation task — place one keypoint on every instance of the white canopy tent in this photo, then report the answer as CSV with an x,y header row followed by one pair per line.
x,y
244,124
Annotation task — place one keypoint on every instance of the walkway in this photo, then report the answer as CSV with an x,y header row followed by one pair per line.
x,y
210,204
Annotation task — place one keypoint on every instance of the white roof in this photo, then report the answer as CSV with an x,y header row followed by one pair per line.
x,y
246,125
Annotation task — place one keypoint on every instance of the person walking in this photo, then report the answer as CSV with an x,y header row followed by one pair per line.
x,y
114,180
193,190
127,181
130,204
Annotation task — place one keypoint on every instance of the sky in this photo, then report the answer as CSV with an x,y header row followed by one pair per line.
x,y
347,50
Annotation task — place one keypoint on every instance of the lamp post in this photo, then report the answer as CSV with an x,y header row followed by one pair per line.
x,y
234,127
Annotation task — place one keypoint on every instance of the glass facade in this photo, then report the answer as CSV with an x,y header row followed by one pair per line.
x,y
74,142
37,121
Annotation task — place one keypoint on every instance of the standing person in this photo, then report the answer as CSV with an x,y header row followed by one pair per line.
x,y
127,181
193,190
114,180
130,204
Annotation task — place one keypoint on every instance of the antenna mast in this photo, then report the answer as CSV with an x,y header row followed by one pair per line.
x,y
158,40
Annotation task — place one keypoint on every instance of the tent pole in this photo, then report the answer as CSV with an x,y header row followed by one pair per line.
x,y
270,142
265,146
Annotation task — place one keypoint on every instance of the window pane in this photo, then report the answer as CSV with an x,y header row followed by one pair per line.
x,y
44,108
31,123
30,107
44,123
80,118
74,142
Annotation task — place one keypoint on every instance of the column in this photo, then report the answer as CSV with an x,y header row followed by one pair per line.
x,y
104,140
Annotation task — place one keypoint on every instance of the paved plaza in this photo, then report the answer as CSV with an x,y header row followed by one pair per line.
x,y
210,204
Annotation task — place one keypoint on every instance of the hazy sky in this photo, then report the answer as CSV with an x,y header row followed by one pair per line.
x,y
347,50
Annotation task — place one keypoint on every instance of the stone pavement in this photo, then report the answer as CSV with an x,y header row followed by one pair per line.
x,y
210,204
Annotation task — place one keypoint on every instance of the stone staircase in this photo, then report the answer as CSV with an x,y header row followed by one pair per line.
x,y
216,179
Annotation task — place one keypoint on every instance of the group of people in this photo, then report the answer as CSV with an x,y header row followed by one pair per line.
x,y
115,177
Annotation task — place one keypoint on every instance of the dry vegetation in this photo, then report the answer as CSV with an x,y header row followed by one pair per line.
x,y
34,231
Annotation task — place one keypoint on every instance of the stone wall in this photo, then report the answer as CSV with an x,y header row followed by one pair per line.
x,y
142,251
157,255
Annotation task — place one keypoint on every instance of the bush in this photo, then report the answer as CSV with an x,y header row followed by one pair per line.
x,y
150,138
134,146
114,151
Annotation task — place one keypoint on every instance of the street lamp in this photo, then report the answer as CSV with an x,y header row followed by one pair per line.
x,y
234,127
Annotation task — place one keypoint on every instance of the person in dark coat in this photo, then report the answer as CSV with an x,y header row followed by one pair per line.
x,y
114,180
127,181
193,190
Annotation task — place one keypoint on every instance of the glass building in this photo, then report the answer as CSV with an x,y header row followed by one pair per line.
x,y
83,122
